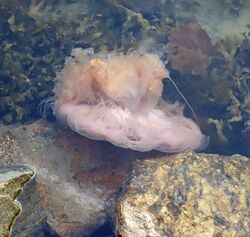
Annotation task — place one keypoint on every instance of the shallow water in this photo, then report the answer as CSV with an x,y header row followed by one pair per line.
x,y
37,36
204,44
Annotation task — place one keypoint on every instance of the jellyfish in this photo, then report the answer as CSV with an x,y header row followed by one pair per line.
x,y
117,97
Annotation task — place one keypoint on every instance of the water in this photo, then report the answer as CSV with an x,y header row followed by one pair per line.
x,y
213,36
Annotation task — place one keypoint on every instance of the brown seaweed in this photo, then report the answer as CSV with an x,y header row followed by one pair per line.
x,y
189,49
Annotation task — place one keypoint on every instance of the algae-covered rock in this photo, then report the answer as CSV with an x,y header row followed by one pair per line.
x,y
11,182
187,195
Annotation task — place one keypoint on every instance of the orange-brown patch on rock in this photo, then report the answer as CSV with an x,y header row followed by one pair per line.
x,y
98,162
101,164
67,140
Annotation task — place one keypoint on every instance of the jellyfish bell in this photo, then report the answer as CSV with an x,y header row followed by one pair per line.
x,y
117,99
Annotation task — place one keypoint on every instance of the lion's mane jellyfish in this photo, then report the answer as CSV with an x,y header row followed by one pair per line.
x,y
117,98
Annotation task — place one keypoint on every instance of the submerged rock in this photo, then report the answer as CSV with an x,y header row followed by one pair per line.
x,y
76,183
11,182
186,195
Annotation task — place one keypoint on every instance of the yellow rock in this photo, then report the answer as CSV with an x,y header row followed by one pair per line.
x,y
11,182
187,195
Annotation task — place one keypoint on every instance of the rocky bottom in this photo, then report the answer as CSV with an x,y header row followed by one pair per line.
x,y
92,188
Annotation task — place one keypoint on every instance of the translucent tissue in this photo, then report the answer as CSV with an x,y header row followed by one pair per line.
x,y
117,98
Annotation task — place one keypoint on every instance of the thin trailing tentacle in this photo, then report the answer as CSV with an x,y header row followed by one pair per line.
x,y
189,106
